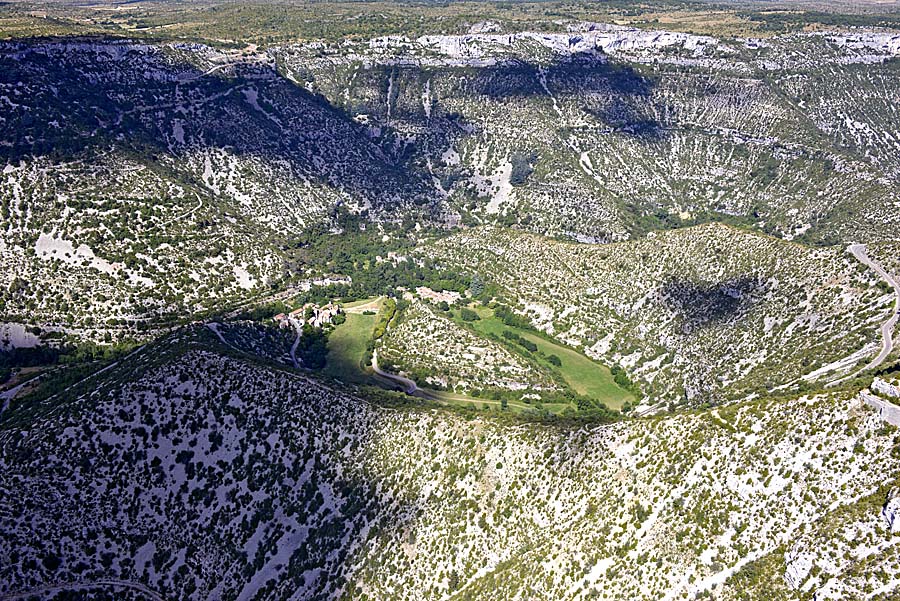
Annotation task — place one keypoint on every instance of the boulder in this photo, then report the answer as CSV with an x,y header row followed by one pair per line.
x,y
891,510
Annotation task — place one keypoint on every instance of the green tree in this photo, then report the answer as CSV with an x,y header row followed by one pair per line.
x,y
477,286
468,314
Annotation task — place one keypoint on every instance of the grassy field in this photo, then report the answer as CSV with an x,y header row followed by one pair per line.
x,y
347,347
461,400
582,374
369,303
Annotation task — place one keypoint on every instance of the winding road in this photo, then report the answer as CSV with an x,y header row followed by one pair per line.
x,y
8,395
183,216
409,387
299,329
887,328
74,586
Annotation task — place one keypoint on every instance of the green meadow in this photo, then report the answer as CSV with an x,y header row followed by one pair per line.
x,y
580,373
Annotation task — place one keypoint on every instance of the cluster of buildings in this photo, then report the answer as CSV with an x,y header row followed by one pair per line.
x,y
311,313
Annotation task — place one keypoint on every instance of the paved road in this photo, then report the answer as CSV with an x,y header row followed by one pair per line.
x,y
7,396
298,327
76,586
887,411
409,387
887,328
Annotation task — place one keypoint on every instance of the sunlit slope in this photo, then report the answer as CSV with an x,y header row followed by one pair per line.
x,y
696,314
195,473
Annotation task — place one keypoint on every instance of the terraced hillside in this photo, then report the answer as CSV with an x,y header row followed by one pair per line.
x,y
605,132
192,472
143,182
695,314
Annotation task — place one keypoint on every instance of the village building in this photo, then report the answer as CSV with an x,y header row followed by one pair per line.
x,y
310,313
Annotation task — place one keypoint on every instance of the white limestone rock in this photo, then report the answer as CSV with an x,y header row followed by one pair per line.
x,y
799,564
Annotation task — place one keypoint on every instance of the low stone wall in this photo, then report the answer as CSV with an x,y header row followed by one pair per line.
x,y
887,411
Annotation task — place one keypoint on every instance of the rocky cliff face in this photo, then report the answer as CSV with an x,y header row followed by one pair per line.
x,y
637,129
586,38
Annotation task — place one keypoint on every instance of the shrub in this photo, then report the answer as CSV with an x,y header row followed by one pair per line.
x,y
468,315
522,167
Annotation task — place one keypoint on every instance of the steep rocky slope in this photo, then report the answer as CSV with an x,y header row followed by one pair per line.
x,y
676,207
141,182
693,313
605,132
191,472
